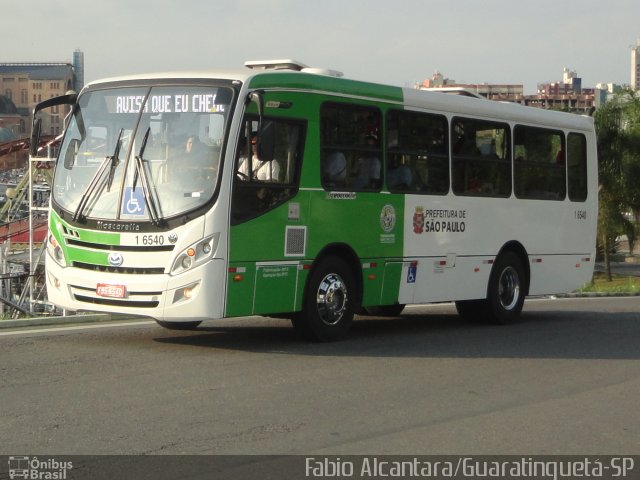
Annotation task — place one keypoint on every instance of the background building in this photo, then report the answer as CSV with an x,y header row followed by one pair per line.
x,y
500,92
26,84
10,124
635,66
567,94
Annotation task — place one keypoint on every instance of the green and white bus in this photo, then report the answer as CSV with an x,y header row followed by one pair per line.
x,y
280,190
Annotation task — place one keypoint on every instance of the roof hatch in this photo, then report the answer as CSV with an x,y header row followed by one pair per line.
x,y
284,64
289,64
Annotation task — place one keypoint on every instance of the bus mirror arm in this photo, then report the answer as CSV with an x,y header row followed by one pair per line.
x,y
35,137
68,99
257,97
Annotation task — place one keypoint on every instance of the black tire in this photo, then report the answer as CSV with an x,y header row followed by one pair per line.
x,y
507,289
472,310
505,293
179,325
329,302
385,310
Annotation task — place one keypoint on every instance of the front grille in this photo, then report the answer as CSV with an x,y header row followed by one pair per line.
x,y
123,270
117,303
121,248
135,299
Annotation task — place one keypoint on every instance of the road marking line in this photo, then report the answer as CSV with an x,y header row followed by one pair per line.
x,y
25,331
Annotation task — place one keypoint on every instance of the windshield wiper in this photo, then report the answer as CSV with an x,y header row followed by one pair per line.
x,y
95,180
114,160
148,187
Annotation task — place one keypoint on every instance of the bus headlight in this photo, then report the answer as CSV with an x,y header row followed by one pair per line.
x,y
195,255
55,250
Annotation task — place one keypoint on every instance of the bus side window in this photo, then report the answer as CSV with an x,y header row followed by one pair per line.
x,y
481,158
268,176
351,147
577,166
417,152
539,168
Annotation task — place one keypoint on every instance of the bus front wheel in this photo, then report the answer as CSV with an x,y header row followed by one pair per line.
x,y
328,305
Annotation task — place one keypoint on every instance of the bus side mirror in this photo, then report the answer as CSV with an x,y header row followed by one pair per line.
x,y
36,128
267,142
35,137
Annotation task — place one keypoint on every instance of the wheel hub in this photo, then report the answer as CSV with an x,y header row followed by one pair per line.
x,y
332,299
509,288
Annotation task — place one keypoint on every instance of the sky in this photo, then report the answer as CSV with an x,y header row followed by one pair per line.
x,y
397,42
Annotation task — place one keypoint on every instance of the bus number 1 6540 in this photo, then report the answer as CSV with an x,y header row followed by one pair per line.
x,y
149,239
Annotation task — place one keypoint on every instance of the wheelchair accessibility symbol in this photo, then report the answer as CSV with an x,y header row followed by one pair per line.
x,y
411,273
133,201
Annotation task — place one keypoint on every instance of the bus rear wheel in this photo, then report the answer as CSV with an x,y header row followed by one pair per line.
x,y
507,289
329,302
472,310
505,293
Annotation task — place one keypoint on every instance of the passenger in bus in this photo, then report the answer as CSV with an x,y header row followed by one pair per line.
x,y
334,170
399,176
466,146
369,169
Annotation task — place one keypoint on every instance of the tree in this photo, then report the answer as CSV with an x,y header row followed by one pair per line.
x,y
618,129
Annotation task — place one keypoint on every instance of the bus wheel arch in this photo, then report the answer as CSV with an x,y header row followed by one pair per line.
x,y
518,249
507,287
348,255
508,284
332,295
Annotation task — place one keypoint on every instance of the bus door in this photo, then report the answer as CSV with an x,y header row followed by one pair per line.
x,y
267,230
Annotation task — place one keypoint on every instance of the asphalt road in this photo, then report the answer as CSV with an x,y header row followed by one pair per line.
x,y
565,379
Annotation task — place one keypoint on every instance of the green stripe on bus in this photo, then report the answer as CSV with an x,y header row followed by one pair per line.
x,y
92,236
87,256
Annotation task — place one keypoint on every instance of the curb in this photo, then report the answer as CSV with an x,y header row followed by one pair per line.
x,y
66,320
596,295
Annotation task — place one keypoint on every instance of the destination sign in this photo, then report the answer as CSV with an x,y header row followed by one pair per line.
x,y
178,103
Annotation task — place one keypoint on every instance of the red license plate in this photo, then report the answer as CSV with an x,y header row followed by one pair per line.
x,y
112,291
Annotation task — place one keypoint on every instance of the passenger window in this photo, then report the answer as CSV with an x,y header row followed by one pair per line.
x,y
417,153
267,166
539,165
577,166
481,158
351,152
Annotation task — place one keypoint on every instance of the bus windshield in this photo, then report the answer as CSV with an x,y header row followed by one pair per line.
x,y
142,153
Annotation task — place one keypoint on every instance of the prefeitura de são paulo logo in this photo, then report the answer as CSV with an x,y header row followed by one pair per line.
x,y
439,220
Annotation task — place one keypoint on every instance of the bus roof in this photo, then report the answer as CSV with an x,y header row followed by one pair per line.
x,y
240,75
291,79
